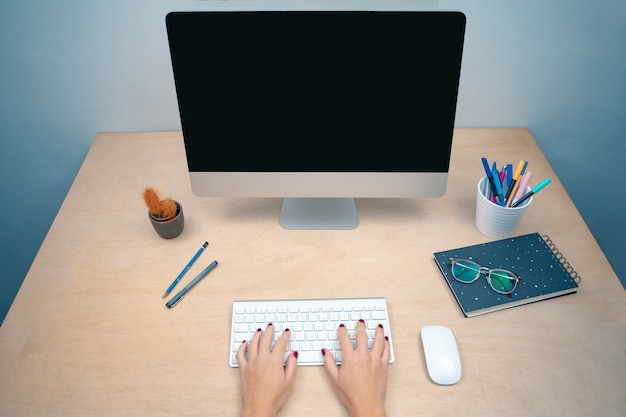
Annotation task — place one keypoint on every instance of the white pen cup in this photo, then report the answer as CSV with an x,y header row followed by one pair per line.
x,y
494,220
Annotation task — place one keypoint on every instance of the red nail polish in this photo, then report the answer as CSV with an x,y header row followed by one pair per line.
x,y
362,321
387,338
287,329
295,354
259,330
380,325
269,324
342,325
323,351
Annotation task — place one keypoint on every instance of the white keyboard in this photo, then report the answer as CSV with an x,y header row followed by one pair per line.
x,y
313,324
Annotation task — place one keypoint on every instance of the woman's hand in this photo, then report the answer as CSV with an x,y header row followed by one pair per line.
x,y
361,381
265,382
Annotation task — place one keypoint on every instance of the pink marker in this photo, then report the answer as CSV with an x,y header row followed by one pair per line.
x,y
521,190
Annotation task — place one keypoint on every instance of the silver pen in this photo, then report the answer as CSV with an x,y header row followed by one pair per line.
x,y
176,299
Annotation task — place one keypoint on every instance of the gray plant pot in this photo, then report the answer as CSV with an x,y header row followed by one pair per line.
x,y
171,228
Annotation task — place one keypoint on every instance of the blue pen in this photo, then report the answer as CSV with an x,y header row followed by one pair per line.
x,y
489,176
535,190
185,269
509,175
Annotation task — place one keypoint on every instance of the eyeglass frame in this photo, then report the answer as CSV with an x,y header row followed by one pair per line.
x,y
483,270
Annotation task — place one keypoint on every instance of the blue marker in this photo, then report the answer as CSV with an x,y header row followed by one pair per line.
x,y
489,176
498,184
509,175
535,190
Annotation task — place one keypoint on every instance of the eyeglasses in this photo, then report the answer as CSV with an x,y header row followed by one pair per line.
x,y
500,280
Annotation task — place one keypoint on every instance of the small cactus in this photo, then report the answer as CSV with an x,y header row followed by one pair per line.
x,y
160,209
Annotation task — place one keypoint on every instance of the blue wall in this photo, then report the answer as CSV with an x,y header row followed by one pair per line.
x,y
69,69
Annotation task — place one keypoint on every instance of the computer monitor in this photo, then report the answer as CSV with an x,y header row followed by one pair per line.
x,y
317,107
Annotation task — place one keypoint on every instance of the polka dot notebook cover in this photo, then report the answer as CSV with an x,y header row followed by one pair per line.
x,y
506,273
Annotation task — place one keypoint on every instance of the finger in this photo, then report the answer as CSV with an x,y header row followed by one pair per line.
x,y
379,341
361,336
330,365
291,366
344,339
253,345
265,345
280,347
386,351
241,355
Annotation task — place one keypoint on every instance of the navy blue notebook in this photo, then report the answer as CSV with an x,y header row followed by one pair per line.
x,y
544,273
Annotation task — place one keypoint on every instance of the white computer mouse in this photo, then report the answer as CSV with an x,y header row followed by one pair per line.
x,y
442,355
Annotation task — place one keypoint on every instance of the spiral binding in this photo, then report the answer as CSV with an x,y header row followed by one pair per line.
x,y
570,270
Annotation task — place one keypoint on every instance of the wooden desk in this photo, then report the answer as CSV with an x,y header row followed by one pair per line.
x,y
89,334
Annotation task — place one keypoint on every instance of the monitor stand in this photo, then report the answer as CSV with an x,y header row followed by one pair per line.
x,y
319,214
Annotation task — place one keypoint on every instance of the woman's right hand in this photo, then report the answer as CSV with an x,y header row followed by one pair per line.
x,y
361,381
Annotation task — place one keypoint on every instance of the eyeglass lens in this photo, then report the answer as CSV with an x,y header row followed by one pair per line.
x,y
465,271
500,280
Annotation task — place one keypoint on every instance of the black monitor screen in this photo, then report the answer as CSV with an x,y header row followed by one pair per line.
x,y
317,90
